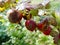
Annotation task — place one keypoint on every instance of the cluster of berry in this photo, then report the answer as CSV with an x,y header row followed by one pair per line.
x,y
16,16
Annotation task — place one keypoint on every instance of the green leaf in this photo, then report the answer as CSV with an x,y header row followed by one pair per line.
x,y
34,12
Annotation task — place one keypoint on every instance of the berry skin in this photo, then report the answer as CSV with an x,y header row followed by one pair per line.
x,y
15,16
30,25
40,26
43,25
47,31
59,36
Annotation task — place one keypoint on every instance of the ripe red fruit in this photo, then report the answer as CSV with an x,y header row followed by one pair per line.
x,y
30,25
47,31
59,36
43,25
40,26
15,16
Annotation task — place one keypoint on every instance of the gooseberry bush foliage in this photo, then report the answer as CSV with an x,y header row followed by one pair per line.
x,y
30,22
